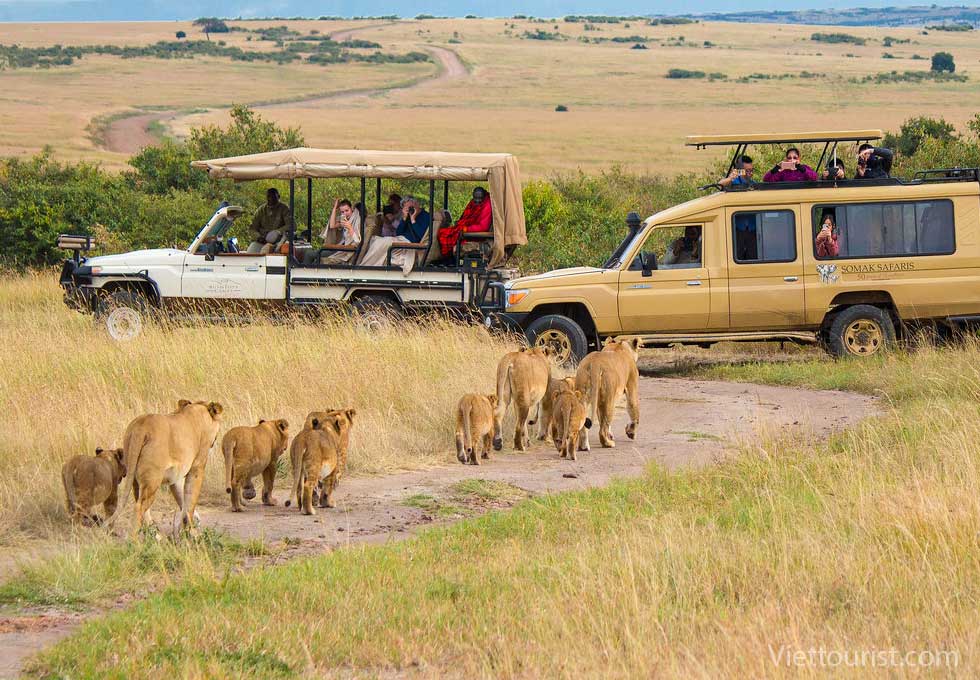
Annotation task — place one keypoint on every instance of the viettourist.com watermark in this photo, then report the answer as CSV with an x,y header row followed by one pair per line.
x,y
823,657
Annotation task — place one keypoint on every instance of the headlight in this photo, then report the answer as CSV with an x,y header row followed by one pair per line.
x,y
515,296
96,270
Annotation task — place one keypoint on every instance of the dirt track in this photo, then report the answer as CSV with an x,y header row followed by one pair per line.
x,y
130,134
683,422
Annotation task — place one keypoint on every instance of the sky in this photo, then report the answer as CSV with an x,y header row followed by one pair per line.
x,y
128,10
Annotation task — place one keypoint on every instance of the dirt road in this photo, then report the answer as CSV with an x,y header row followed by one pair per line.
x,y
683,422
130,134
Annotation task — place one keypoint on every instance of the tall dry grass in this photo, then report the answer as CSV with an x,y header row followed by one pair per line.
x,y
66,388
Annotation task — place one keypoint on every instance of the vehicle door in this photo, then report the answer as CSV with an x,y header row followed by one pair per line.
x,y
765,271
228,276
672,292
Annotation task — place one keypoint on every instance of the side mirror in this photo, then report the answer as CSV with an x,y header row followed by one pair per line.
x,y
648,262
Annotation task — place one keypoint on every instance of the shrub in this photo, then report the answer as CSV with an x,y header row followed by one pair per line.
x,y
943,62
561,108
954,27
180,35
837,38
915,131
685,73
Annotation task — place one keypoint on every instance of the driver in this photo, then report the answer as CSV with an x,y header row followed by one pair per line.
x,y
685,250
271,223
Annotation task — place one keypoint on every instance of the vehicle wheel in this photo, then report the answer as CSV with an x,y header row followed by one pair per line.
x,y
375,313
563,335
860,331
124,313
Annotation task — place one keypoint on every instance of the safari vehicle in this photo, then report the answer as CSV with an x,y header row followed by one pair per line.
x,y
909,255
213,277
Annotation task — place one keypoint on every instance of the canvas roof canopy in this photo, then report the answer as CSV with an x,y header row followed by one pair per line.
x,y
784,138
499,170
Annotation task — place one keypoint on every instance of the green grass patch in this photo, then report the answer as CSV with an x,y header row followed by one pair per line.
x,y
435,506
488,490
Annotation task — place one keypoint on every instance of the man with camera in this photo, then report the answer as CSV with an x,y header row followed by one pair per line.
x,y
874,162
741,174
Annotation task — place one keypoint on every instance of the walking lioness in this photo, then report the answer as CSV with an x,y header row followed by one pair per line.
x,y
568,418
474,425
249,451
603,377
90,480
171,449
522,378
319,454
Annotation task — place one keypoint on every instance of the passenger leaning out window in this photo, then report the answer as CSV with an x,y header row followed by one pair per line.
x,y
827,245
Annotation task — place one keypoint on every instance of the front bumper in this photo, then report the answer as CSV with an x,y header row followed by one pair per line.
x,y
508,322
75,280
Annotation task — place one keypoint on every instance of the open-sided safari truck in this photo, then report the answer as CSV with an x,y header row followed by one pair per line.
x,y
212,276
742,264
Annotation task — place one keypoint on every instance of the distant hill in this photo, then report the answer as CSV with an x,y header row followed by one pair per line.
x,y
167,10
859,16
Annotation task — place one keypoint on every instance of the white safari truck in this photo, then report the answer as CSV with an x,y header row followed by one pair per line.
x,y
212,277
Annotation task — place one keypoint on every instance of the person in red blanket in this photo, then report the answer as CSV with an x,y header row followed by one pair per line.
x,y
477,216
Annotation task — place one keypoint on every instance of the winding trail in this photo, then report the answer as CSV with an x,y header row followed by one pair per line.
x,y
682,423
129,134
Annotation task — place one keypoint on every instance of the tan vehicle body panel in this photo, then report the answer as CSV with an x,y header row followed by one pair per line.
x,y
723,295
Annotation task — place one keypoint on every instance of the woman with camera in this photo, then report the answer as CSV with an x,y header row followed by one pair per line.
x,y
790,169
826,242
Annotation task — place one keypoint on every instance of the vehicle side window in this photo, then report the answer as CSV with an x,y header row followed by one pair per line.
x,y
675,248
893,229
764,236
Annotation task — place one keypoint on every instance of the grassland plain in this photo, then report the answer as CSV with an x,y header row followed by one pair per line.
x,y
621,107
867,543
67,388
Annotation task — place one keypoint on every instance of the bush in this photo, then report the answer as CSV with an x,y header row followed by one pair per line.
x,y
942,62
955,27
915,131
561,108
684,73
838,38
180,35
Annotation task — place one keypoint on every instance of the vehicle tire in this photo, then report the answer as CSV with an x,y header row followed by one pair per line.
x,y
562,334
860,331
376,313
124,313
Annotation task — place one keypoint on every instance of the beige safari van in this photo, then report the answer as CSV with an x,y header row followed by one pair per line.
x,y
742,264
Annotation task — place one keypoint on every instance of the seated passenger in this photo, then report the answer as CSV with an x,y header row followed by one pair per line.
x,y
874,162
271,224
685,250
476,217
838,170
395,203
415,224
790,169
740,176
389,225
826,241
343,229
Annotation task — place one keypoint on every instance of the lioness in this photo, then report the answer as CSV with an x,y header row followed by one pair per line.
x,y
604,376
474,424
522,378
547,408
171,449
252,450
90,480
319,454
568,418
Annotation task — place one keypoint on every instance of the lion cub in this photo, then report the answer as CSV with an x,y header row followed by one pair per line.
x,y
474,424
90,480
319,454
568,418
252,450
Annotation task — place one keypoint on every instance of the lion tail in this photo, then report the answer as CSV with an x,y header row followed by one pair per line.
x,y
228,448
593,396
296,452
467,427
67,478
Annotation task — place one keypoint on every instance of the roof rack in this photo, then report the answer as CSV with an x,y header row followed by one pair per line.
x,y
947,175
702,141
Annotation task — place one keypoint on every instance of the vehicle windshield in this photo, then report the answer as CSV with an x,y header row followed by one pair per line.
x,y
616,260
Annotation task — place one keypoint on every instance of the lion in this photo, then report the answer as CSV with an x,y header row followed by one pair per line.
x,y
522,378
547,408
603,376
171,450
252,450
568,419
319,454
90,480
474,424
